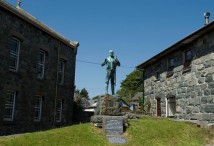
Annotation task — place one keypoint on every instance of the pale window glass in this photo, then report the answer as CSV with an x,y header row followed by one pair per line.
x,y
171,62
14,54
59,110
9,106
61,70
188,55
38,108
41,64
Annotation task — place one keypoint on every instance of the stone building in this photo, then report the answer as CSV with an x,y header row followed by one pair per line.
x,y
179,81
37,73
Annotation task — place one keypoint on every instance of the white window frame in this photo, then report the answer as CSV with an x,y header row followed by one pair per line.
x,y
41,63
15,55
61,71
59,110
38,108
10,104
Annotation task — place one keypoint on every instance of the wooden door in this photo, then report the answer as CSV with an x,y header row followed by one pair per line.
x,y
158,107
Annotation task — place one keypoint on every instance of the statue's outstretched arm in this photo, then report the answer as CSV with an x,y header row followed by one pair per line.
x,y
104,62
118,62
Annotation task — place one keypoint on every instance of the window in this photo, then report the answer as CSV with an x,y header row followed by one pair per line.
x,y
38,108
10,106
41,64
188,55
171,65
157,75
14,54
59,110
157,72
61,69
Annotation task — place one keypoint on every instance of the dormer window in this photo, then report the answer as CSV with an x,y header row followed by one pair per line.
x,y
157,72
157,75
188,55
171,65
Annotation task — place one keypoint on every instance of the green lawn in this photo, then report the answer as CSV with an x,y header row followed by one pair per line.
x,y
143,132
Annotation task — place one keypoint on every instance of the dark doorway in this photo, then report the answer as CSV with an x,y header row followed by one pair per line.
x,y
158,107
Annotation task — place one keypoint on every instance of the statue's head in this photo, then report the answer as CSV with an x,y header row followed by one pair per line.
x,y
111,53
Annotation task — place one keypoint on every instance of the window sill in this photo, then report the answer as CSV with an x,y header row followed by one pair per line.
x,y
186,69
169,73
157,80
8,122
13,70
36,121
41,79
58,123
8,119
61,84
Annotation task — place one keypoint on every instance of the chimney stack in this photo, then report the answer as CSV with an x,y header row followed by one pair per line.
x,y
206,16
19,4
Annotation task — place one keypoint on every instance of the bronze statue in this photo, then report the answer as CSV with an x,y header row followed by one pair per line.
x,y
111,63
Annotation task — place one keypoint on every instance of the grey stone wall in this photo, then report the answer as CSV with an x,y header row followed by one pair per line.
x,y
193,89
25,81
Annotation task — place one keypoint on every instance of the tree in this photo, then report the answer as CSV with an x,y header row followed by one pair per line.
x,y
95,98
132,84
77,91
84,93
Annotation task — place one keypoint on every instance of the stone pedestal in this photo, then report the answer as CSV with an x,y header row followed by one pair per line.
x,y
109,105
108,116
98,120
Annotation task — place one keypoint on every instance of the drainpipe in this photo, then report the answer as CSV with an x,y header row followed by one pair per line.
x,y
76,45
143,90
56,91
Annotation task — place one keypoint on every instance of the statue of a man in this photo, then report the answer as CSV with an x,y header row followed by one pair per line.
x,y
111,63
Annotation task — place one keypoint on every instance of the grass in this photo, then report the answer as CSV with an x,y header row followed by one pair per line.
x,y
143,132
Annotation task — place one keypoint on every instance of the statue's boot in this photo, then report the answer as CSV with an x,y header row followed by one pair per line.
x,y
112,89
106,88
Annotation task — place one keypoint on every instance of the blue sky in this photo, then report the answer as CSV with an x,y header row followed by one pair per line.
x,y
135,29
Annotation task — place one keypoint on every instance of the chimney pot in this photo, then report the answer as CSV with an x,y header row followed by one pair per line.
x,y
206,16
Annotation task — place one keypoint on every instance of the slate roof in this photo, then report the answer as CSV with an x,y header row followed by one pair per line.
x,y
195,35
35,22
137,95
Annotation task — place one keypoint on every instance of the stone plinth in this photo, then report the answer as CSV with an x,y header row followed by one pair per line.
x,y
108,116
98,120
109,105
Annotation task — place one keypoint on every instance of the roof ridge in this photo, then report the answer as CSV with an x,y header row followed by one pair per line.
x,y
36,22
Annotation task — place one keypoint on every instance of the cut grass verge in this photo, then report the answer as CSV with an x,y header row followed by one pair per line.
x,y
142,132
